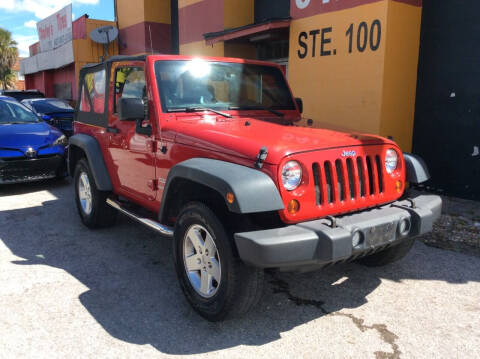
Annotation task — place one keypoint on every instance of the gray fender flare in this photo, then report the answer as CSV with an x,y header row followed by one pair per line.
x,y
92,150
417,170
254,190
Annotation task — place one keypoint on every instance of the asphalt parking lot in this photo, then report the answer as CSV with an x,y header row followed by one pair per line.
x,y
67,291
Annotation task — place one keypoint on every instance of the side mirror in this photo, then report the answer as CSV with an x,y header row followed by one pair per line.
x,y
46,118
299,102
131,109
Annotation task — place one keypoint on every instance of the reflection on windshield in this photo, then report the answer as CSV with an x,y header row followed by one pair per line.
x,y
13,112
221,86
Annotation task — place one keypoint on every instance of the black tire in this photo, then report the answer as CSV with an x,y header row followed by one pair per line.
x,y
101,214
240,287
389,255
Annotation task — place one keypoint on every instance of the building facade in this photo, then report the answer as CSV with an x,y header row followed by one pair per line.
x,y
19,78
60,80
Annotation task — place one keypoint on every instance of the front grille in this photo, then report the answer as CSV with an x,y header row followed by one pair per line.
x,y
347,179
29,169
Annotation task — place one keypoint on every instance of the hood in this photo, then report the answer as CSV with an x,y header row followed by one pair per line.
x,y
21,136
244,136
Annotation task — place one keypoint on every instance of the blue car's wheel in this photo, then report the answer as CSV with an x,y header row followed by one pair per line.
x,y
91,203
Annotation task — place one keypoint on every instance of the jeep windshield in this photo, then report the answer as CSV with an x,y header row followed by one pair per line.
x,y
197,85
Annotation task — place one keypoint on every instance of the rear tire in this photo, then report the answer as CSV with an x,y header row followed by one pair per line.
x,y
91,203
388,255
232,288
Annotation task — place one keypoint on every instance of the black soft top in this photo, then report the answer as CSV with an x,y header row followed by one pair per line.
x,y
116,58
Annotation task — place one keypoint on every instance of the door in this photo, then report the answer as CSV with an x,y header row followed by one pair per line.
x,y
132,153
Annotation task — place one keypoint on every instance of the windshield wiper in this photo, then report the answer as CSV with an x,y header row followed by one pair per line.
x,y
271,110
198,109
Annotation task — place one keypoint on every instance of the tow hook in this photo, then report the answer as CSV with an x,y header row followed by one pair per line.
x,y
412,202
333,221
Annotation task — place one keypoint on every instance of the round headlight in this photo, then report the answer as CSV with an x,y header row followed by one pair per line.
x,y
391,160
291,175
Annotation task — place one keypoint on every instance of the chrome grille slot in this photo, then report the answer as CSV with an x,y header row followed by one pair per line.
x,y
340,180
379,174
361,176
329,182
351,178
370,176
316,181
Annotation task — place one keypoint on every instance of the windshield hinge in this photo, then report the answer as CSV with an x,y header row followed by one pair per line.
x,y
261,157
152,146
153,184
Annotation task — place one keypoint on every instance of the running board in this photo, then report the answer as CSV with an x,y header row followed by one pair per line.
x,y
160,228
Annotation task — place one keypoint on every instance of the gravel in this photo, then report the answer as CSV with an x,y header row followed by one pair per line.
x,y
458,228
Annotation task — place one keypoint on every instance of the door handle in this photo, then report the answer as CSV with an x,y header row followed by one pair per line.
x,y
112,130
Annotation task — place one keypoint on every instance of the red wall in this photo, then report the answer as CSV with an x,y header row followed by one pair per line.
x,y
45,80
79,28
200,18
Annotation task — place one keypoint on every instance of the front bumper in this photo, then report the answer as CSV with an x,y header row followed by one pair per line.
x,y
29,170
326,241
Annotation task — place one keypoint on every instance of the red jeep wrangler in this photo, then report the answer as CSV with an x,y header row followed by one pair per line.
x,y
209,151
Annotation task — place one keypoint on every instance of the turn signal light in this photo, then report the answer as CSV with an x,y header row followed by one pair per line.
x,y
230,197
399,186
293,206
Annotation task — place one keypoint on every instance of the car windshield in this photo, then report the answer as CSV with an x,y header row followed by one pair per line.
x,y
13,112
221,86
51,106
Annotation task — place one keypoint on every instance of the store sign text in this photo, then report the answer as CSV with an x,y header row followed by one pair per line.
x,y
55,30
303,4
359,38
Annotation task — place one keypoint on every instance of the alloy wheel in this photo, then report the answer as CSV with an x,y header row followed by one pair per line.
x,y
202,261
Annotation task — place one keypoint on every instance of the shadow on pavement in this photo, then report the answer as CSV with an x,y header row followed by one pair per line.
x,y
133,292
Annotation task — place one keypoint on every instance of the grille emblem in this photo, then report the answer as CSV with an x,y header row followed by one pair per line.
x,y
30,153
349,154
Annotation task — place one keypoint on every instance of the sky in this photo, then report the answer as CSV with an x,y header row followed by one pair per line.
x,y
20,16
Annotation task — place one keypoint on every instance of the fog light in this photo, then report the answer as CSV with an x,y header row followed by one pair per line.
x,y
399,186
230,197
404,227
293,206
357,238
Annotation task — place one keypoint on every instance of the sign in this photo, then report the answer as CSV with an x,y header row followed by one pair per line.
x,y
55,30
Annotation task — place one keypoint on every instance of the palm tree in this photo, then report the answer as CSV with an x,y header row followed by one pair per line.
x,y
8,57
7,79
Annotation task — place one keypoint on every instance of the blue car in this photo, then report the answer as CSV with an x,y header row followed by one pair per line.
x,y
56,112
30,149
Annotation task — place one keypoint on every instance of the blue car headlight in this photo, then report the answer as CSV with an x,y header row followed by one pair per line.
x,y
61,141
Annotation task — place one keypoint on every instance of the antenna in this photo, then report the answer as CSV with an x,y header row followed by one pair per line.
x,y
104,35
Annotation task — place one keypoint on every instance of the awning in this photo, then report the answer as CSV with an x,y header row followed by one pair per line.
x,y
246,31
49,60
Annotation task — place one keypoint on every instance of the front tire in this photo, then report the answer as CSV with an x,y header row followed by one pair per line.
x,y
91,203
388,255
214,280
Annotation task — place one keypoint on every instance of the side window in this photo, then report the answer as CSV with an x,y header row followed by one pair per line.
x,y
84,101
129,83
93,92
